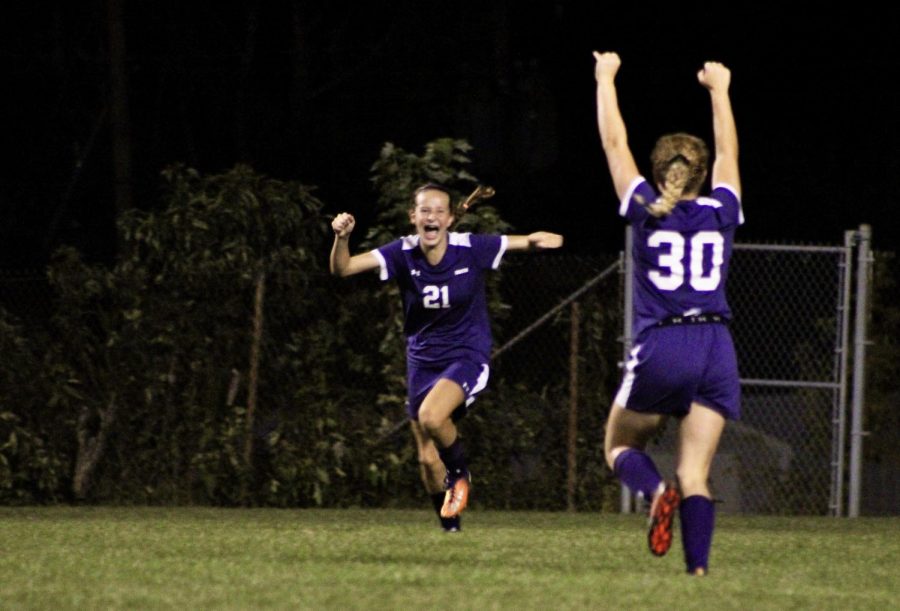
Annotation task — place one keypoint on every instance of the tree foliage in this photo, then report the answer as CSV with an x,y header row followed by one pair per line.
x,y
219,324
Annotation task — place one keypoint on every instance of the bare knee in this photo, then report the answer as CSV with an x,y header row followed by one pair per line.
x,y
430,420
626,429
612,454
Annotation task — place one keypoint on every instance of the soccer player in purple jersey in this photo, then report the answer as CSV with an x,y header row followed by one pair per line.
x,y
441,277
683,362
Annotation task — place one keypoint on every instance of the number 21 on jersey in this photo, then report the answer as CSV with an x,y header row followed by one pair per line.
x,y
436,297
672,263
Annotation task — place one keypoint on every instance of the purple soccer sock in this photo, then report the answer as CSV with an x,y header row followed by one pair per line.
x,y
698,517
453,458
637,471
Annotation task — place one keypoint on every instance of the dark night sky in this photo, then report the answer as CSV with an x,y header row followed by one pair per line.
x,y
310,91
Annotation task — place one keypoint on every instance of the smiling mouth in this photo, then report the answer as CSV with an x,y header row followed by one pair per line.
x,y
431,231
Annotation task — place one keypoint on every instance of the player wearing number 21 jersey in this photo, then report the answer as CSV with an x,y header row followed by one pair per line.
x,y
444,305
441,276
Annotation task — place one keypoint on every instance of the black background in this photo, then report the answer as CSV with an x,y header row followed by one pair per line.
x,y
310,91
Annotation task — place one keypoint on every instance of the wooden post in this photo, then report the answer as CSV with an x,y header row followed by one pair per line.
x,y
572,438
253,377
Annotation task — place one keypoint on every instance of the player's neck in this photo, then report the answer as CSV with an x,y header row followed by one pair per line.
x,y
434,254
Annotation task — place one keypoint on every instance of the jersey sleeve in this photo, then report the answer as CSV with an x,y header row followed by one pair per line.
x,y
389,259
731,214
488,250
634,204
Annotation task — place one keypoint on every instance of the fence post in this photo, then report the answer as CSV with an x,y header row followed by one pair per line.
x,y
863,269
572,442
625,504
839,417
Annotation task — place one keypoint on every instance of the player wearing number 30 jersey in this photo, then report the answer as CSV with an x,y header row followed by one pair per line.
x,y
683,362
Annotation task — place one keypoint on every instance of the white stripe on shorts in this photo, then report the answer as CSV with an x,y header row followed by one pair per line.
x,y
479,384
628,380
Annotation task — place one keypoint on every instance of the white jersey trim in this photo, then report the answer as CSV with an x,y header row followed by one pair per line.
x,y
382,264
459,239
737,196
629,193
504,242
708,201
409,242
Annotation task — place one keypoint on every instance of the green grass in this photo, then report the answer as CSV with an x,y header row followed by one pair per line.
x,y
218,558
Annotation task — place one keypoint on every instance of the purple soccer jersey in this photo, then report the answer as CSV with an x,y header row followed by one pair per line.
x,y
444,305
680,267
680,260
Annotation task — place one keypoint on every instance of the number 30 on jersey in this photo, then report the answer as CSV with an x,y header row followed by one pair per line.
x,y
672,263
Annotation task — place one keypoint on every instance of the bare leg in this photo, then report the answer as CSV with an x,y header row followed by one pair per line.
x,y
435,418
434,414
627,429
433,472
431,468
627,434
699,436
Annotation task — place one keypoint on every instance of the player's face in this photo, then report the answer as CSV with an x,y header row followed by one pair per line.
x,y
431,217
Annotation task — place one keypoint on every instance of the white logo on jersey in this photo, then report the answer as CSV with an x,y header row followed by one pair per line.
x,y
463,270
415,272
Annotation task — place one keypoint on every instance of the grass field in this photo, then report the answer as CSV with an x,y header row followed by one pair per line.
x,y
53,558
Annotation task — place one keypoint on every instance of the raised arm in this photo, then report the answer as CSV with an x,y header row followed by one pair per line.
x,y
341,263
613,135
539,240
716,78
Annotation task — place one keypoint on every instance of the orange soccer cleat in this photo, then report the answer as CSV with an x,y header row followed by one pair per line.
x,y
457,496
662,512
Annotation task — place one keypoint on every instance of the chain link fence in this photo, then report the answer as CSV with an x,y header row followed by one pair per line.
x,y
790,316
535,436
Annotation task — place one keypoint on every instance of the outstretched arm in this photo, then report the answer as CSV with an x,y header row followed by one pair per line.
x,y
341,263
613,135
716,78
539,240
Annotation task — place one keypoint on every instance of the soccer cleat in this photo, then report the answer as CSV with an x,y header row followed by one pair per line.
x,y
662,512
451,525
457,495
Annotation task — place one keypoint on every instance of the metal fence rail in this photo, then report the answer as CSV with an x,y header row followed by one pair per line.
x,y
791,328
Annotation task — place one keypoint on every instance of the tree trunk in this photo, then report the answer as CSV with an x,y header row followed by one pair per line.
x,y
91,447
253,377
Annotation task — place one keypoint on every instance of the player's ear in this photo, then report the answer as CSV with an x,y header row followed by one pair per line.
x,y
412,216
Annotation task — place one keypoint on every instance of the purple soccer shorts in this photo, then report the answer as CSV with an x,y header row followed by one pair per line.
x,y
673,366
472,377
